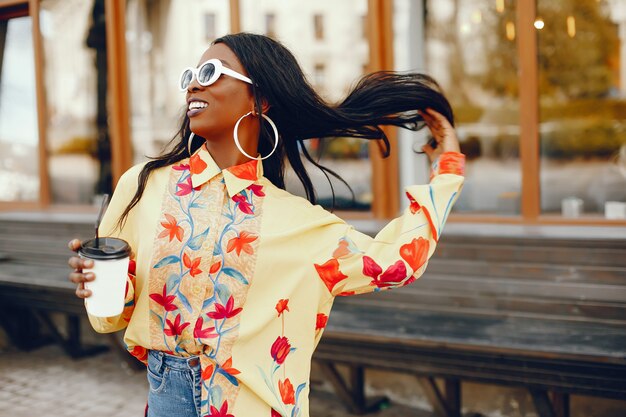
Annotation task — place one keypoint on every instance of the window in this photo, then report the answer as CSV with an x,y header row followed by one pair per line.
x,y
582,106
19,138
159,45
345,55
472,54
319,76
318,26
77,138
364,27
270,25
209,26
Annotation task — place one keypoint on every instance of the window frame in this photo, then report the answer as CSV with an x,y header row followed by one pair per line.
x,y
10,9
385,172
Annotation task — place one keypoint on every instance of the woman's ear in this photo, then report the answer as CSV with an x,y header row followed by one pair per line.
x,y
265,106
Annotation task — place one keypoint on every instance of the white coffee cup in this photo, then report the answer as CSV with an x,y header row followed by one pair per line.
x,y
110,258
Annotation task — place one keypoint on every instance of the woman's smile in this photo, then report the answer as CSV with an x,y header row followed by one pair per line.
x,y
196,106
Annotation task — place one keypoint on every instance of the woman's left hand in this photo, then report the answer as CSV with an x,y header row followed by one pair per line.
x,y
442,132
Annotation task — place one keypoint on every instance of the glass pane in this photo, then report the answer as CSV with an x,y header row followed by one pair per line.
x,y
582,85
78,143
327,39
19,139
162,38
471,50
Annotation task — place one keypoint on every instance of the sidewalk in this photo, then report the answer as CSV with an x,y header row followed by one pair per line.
x,y
48,383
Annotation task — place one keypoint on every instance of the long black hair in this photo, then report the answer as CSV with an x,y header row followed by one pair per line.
x,y
378,99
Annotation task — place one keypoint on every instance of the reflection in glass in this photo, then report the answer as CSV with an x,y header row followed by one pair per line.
x,y
582,86
326,37
19,166
471,51
162,38
77,147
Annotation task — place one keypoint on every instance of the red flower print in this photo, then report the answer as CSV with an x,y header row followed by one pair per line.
x,y
394,275
196,164
228,367
215,267
140,353
164,299
172,229
132,267
371,268
245,171
207,372
280,349
281,306
185,187
275,413
241,243
175,329
321,321
225,312
414,207
243,204
329,273
342,249
286,391
200,333
415,253
222,412
192,264
257,190
181,167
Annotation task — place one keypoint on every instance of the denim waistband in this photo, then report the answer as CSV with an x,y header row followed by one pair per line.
x,y
175,362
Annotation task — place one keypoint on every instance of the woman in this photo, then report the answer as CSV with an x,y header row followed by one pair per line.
x,y
233,278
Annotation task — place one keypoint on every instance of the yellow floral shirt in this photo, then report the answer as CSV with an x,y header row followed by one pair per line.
x,y
243,274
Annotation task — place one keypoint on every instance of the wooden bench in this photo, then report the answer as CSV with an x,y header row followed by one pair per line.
x,y
34,281
545,313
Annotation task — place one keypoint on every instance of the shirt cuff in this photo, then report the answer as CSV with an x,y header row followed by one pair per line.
x,y
449,163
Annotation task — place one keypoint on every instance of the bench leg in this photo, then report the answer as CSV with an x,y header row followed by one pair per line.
x,y
558,407
71,344
446,404
560,401
23,329
353,394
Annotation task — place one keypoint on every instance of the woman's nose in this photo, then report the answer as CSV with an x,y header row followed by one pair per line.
x,y
194,85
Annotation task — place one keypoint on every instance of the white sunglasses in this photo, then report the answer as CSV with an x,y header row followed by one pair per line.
x,y
207,73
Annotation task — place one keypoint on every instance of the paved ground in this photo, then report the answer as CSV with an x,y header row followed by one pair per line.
x,y
47,383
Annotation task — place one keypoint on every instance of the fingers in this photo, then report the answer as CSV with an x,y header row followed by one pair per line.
x,y
79,263
81,292
437,124
74,245
441,129
78,277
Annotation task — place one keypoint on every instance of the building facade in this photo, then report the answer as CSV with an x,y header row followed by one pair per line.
x,y
88,88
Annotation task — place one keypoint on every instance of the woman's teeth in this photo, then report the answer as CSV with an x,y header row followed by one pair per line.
x,y
197,105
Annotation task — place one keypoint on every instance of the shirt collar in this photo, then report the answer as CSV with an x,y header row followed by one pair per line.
x,y
237,178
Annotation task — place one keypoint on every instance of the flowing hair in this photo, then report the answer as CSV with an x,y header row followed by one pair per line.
x,y
378,99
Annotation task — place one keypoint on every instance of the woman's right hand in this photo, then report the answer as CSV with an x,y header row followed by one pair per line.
x,y
78,264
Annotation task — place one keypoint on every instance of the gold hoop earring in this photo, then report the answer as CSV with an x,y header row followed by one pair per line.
x,y
236,136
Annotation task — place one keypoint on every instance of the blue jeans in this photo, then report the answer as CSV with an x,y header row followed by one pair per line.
x,y
175,385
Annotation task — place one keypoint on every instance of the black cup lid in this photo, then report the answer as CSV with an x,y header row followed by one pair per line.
x,y
108,248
